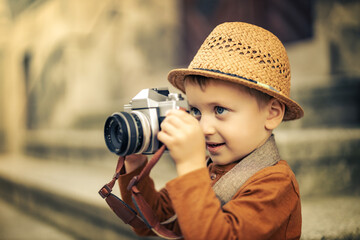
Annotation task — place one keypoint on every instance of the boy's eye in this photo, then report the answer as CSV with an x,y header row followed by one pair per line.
x,y
195,112
220,110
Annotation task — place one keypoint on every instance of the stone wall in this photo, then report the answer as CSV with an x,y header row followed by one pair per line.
x,y
66,64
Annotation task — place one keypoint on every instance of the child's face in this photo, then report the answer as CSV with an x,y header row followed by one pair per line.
x,y
231,120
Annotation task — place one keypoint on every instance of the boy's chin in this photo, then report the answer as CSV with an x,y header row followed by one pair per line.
x,y
221,161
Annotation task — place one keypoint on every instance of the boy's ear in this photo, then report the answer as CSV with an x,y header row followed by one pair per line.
x,y
276,111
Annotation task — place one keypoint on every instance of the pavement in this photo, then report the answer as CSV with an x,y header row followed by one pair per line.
x,y
331,217
17,225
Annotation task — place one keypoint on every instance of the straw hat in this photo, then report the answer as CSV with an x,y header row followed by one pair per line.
x,y
245,54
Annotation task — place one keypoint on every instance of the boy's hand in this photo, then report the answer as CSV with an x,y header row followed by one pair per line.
x,y
134,161
183,136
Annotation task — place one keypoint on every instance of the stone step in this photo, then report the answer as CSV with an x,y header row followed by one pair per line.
x,y
331,218
334,105
12,219
296,144
324,160
64,194
86,145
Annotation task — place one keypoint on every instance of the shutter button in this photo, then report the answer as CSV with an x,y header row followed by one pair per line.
x,y
212,176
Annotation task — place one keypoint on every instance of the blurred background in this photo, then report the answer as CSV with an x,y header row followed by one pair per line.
x,y
65,66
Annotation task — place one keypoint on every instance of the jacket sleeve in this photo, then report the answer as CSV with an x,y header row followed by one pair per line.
x,y
258,209
159,201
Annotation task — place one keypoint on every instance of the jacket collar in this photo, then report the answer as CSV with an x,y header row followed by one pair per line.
x,y
262,157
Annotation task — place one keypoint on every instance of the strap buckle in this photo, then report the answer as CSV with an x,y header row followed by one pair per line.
x,y
134,181
105,191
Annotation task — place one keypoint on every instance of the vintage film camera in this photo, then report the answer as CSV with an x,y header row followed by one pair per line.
x,y
135,129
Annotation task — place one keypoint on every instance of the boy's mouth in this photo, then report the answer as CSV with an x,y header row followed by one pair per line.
x,y
214,147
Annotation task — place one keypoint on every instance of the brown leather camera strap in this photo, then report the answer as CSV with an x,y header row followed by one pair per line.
x,y
120,208
147,218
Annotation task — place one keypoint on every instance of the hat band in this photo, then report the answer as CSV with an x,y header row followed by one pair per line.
x,y
237,76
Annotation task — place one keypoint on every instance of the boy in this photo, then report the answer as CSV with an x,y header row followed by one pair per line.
x,y
238,88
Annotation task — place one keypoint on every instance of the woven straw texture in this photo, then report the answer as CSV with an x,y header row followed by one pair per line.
x,y
246,54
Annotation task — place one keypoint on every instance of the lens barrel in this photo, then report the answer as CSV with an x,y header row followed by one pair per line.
x,y
123,133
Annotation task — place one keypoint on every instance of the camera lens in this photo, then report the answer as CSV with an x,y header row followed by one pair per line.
x,y
124,133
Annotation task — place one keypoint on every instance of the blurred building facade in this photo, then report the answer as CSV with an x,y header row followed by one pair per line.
x,y
66,65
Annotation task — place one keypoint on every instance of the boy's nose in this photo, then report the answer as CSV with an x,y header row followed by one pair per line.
x,y
207,126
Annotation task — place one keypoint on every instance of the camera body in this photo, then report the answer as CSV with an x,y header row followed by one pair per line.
x,y
135,129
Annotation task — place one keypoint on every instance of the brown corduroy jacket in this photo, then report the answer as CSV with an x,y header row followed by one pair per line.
x,y
267,206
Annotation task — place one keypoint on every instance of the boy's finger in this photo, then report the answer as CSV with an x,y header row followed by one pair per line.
x,y
181,114
163,137
173,112
174,120
169,127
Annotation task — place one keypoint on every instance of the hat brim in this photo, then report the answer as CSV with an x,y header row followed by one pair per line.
x,y
177,76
